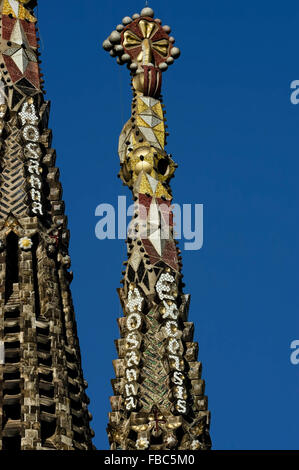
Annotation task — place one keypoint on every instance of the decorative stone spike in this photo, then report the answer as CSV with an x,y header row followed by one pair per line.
x,y
43,404
159,401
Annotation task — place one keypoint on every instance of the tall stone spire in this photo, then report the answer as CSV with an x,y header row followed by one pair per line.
x,y
43,403
159,400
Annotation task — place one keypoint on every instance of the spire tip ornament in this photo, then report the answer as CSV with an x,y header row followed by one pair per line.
x,y
145,46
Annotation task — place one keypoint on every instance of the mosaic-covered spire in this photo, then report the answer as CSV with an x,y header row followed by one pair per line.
x,y
43,404
159,400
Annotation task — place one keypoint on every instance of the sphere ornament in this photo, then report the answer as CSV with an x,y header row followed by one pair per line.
x,y
107,46
175,52
143,42
167,29
147,12
133,67
163,66
119,48
114,37
126,20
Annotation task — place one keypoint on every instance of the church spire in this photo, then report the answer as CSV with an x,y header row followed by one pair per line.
x,y
159,401
43,404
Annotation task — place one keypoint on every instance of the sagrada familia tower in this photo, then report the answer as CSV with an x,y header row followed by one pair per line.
x,y
43,403
159,401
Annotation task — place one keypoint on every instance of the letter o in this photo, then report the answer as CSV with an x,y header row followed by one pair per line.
x,y
133,321
31,133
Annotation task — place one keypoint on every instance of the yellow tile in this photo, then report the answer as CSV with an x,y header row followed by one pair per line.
x,y
23,13
159,127
7,10
158,110
160,137
161,191
141,106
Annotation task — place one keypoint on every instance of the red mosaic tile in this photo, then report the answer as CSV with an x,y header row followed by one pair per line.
x,y
163,202
32,74
13,70
7,26
29,29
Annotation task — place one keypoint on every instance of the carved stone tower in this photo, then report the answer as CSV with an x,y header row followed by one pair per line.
x,y
43,403
159,400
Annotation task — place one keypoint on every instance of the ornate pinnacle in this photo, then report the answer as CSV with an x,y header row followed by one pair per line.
x,y
45,362
145,46
159,400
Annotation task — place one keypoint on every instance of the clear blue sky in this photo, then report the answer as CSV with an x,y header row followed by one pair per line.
x,y
235,135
